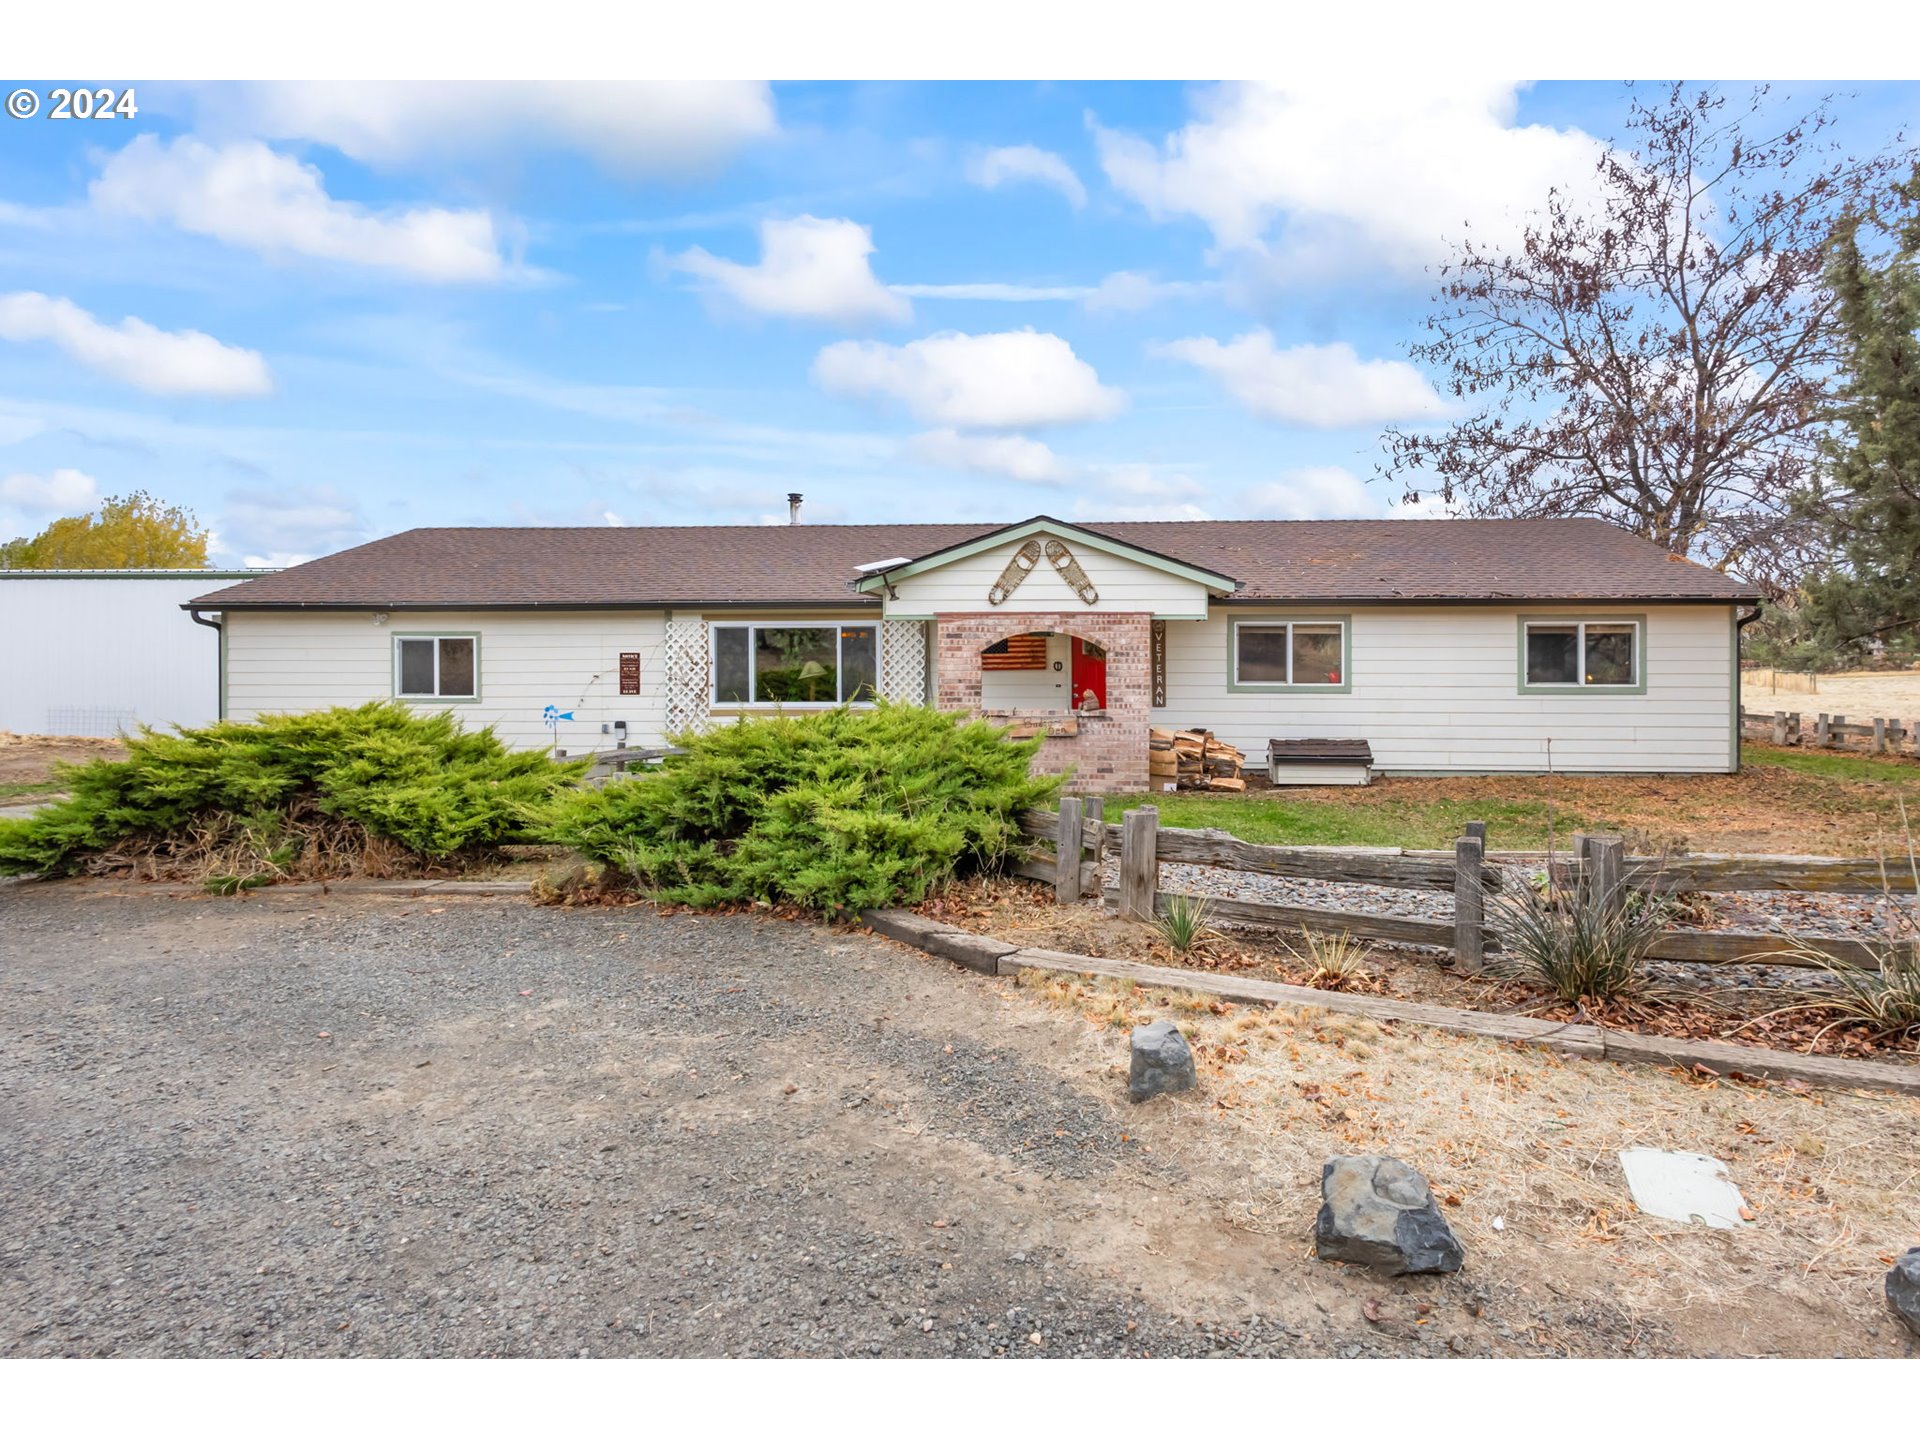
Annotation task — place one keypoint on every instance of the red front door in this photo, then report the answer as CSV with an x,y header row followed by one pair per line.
x,y
1089,674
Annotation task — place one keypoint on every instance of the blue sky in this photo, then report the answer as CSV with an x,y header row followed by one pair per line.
x,y
321,313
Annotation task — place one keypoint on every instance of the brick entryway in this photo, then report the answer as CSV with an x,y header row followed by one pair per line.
x,y
1109,754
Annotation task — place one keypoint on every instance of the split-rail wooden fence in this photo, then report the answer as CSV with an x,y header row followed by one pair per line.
x,y
1078,843
1879,736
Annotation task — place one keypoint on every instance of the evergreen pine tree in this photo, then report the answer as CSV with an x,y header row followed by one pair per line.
x,y
1873,483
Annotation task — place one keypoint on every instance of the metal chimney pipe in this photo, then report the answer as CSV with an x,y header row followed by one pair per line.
x,y
794,497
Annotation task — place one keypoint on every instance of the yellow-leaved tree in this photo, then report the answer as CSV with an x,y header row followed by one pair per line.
x,y
129,532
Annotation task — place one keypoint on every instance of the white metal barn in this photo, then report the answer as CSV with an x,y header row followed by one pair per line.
x,y
96,652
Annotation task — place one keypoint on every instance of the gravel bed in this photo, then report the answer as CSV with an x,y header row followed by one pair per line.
x,y
340,1126
1848,916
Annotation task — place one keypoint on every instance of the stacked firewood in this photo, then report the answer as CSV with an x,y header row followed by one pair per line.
x,y
1193,760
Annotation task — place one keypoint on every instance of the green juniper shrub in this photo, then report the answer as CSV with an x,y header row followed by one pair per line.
x,y
837,810
312,794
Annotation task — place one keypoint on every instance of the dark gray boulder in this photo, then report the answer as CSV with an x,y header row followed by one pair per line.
x,y
1162,1061
1903,1288
1379,1212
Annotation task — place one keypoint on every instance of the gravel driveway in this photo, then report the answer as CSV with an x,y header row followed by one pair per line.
x,y
360,1126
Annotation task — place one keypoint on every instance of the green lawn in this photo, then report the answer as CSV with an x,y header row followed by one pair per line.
x,y
1782,801
1415,824
1901,774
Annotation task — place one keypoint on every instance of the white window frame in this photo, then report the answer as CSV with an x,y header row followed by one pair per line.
x,y
714,627
436,636
1634,684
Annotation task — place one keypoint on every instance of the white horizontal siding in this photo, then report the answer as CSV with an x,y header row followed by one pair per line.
x,y
1125,586
281,661
1437,688
1046,689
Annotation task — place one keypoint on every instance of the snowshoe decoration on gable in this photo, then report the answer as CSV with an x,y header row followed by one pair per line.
x,y
1071,572
1018,568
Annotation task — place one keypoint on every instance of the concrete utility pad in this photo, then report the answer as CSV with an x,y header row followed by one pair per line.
x,y
1679,1185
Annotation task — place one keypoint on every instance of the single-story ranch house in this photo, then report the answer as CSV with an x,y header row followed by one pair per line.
x,y
1462,646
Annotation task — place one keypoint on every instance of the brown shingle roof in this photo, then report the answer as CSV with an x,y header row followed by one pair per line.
x,y
1290,560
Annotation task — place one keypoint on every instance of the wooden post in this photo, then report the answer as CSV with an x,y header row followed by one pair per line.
x,y
1793,728
1477,829
1139,867
1823,730
1839,742
1607,856
1096,809
1780,727
1879,735
1066,852
1469,902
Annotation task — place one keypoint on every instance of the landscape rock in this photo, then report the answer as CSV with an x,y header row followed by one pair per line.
x,y
1162,1061
1903,1288
1379,1212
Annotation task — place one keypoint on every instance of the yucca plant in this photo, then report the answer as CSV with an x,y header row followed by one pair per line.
x,y
1338,960
1884,999
1580,941
1184,923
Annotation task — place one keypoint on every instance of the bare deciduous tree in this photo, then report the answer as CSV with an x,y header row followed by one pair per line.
x,y
1661,353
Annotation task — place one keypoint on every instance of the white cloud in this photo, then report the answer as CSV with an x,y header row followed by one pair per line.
x,y
629,128
289,527
247,195
1131,290
1322,178
64,492
1317,492
995,290
810,269
1015,456
1327,387
162,362
1017,163
1012,379
1140,492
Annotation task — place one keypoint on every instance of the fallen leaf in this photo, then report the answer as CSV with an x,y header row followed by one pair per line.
x,y
1372,1311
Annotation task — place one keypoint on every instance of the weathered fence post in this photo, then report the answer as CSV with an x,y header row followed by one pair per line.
x,y
1839,740
1066,852
1477,829
1823,730
1607,862
1780,727
1879,735
1096,809
1793,728
1139,867
1469,900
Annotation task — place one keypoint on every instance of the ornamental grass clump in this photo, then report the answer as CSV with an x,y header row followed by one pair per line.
x,y
1882,997
1582,941
366,791
837,810
1185,924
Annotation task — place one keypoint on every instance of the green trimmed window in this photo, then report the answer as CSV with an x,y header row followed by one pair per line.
x,y
436,667
1290,652
1579,653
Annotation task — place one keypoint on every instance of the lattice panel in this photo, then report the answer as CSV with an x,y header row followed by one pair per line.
x,y
903,661
689,675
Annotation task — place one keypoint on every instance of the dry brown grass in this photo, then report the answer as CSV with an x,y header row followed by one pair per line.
x,y
1531,1138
